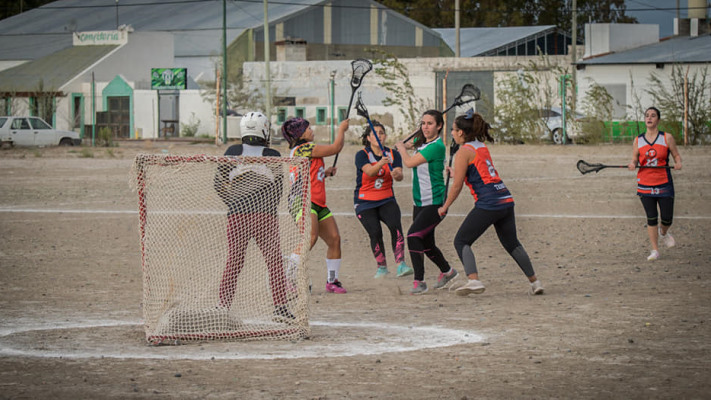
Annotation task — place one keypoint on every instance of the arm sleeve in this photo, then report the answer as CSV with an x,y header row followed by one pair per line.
x,y
397,159
361,159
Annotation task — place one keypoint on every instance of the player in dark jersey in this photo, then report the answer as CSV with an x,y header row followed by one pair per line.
x,y
493,203
374,199
252,191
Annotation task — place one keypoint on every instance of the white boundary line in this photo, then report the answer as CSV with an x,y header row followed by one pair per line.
x,y
347,214
398,338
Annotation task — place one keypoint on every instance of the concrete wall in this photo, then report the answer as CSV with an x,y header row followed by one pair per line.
x,y
606,38
308,83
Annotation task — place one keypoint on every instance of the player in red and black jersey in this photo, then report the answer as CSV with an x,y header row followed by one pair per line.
x,y
655,187
374,199
493,203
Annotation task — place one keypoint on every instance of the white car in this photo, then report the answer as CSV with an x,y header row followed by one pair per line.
x,y
33,131
552,118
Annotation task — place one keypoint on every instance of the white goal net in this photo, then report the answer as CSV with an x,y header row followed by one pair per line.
x,y
216,235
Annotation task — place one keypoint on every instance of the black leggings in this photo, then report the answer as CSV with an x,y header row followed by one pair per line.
x,y
421,240
476,223
666,209
389,213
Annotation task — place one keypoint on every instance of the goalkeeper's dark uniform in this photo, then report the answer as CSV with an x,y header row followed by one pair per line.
x,y
252,190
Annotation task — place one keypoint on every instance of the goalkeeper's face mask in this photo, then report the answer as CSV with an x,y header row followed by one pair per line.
x,y
254,124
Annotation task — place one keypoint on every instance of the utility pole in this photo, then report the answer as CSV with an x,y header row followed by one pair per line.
x,y
224,71
268,106
456,28
117,20
573,56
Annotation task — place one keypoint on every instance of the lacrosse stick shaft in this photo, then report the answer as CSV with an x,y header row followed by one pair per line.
x,y
348,113
382,149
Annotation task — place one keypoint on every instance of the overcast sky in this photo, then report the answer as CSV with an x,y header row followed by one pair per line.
x,y
660,12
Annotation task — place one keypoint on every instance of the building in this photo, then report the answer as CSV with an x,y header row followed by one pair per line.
x,y
191,38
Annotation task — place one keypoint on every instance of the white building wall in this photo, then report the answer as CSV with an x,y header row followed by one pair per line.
x,y
308,82
193,110
145,114
636,82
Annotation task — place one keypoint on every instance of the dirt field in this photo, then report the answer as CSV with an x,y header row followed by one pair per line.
x,y
610,325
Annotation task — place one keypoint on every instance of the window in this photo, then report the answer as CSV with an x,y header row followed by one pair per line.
x,y
281,115
320,115
20,123
39,124
300,112
342,114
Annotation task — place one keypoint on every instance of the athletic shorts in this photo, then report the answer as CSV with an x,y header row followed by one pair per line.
x,y
321,212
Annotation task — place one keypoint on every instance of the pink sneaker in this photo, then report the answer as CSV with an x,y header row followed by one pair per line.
x,y
335,287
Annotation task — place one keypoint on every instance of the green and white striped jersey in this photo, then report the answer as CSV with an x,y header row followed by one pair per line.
x,y
428,178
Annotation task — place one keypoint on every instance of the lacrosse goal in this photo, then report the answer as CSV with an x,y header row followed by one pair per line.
x,y
216,233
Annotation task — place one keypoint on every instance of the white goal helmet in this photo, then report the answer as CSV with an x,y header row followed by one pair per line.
x,y
254,124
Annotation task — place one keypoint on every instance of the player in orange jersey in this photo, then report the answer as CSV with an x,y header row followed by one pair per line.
x,y
300,136
655,187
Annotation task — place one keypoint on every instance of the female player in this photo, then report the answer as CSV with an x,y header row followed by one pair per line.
x,y
428,195
493,203
374,198
300,136
655,187
252,192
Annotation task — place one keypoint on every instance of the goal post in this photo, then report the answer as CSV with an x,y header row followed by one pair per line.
x,y
216,233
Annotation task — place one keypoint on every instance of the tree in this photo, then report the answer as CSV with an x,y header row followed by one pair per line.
x,y
8,8
670,101
400,93
497,13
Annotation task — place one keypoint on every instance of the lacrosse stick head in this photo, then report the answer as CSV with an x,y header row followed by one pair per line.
x,y
361,66
585,167
360,108
469,93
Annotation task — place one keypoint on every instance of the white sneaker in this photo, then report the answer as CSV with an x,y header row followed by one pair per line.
x,y
536,287
654,255
667,239
473,286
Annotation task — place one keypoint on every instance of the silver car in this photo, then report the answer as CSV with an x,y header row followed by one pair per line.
x,y
552,118
34,131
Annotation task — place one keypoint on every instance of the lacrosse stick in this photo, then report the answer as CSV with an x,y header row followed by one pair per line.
x,y
363,112
361,67
585,167
468,94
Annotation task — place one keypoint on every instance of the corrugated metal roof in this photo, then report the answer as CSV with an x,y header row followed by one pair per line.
x,y
25,78
675,50
197,23
477,41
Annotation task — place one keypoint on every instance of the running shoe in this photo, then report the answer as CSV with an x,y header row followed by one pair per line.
x,y
654,255
445,278
473,286
418,287
667,239
335,287
403,270
536,287
381,272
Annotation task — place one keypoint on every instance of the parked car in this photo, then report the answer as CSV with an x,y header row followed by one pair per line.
x,y
34,131
553,118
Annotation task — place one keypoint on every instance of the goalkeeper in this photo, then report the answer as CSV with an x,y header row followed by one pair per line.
x,y
252,191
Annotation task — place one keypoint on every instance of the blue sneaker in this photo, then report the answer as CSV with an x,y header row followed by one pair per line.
x,y
381,272
403,270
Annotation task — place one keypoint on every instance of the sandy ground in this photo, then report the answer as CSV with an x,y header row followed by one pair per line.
x,y
610,325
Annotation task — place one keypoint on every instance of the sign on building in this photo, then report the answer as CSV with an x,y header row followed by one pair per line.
x,y
99,38
169,78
